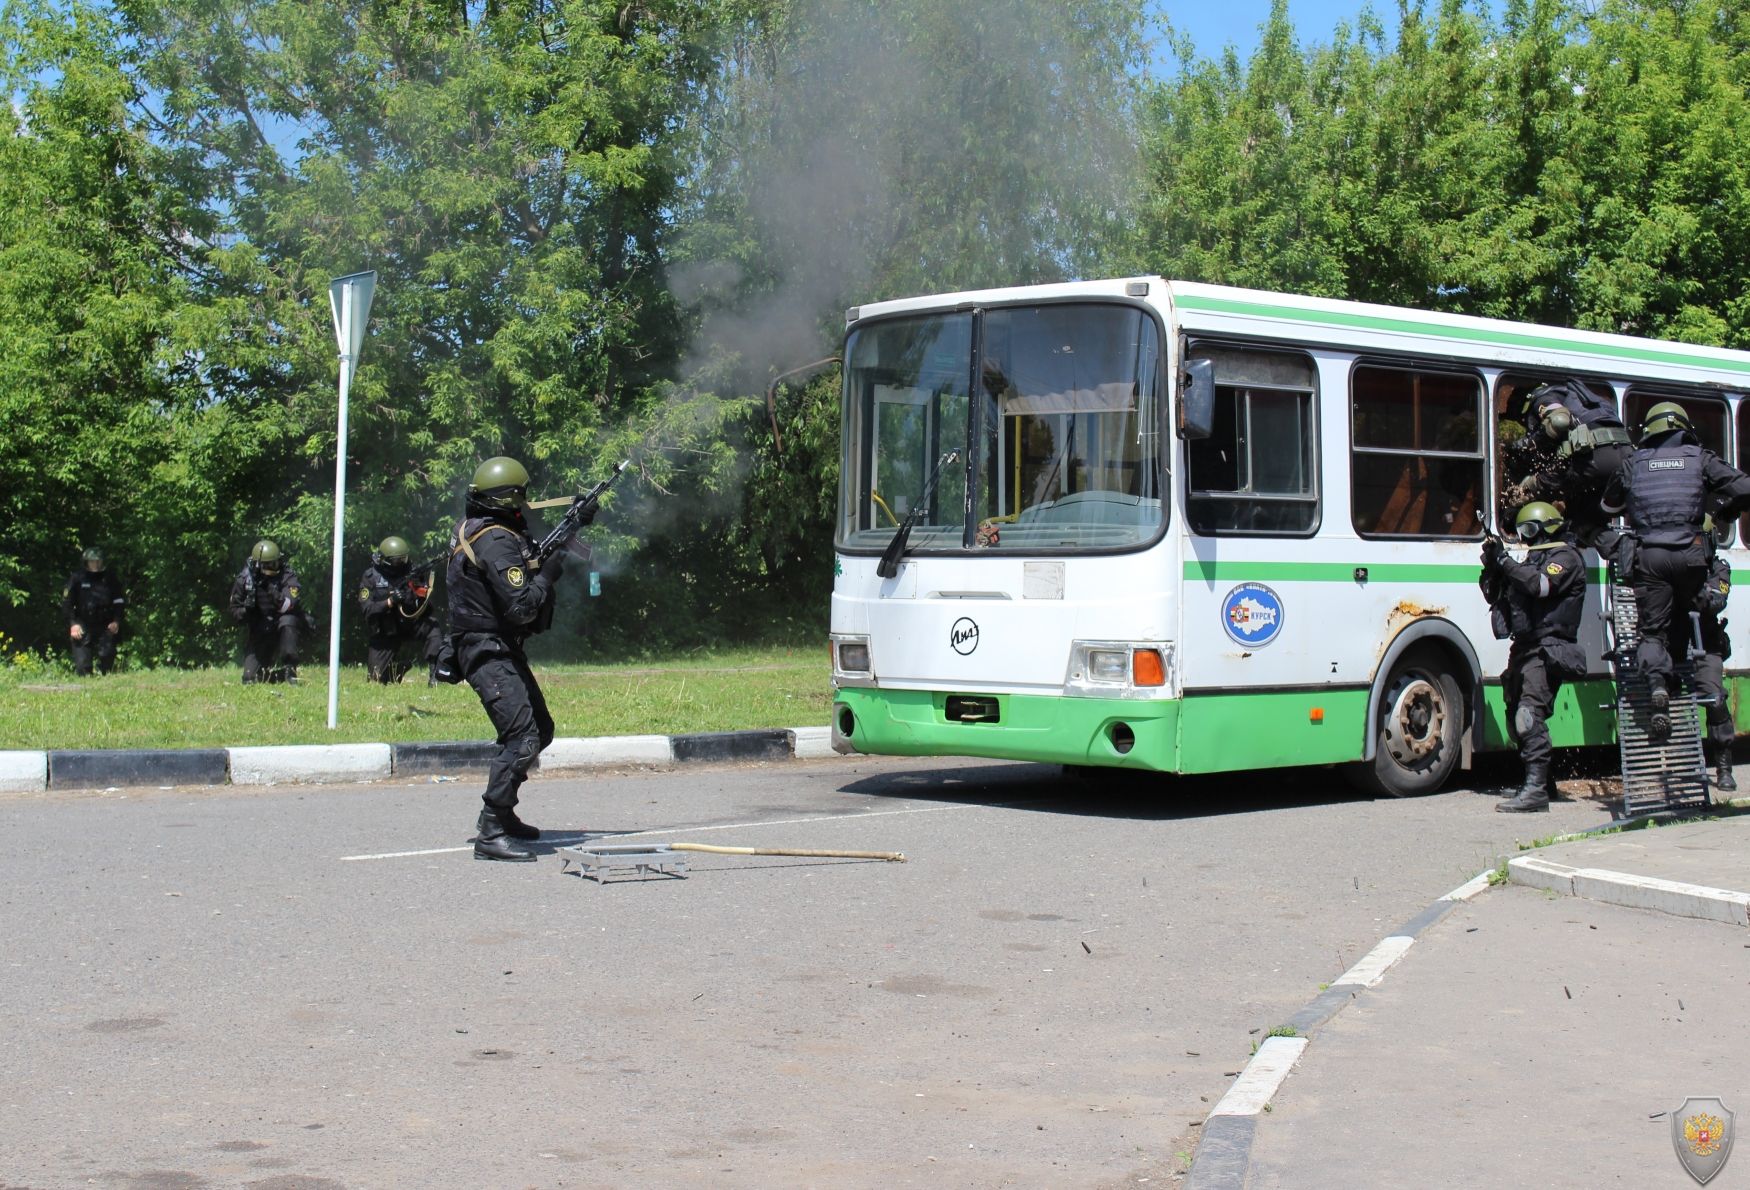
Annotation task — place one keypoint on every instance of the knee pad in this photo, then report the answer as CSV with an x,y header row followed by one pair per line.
x,y
528,748
1526,720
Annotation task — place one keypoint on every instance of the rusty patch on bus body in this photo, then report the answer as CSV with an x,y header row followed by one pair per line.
x,y
1406,612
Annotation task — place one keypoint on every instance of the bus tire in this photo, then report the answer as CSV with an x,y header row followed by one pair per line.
x,y
1420,730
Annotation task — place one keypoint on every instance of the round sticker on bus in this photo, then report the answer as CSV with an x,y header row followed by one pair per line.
x,y
1252,614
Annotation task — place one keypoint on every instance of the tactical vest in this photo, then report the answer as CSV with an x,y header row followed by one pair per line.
x,y
1552,617
472,608
94,596
1666,490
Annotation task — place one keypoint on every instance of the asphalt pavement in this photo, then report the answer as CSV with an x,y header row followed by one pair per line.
x,y
201,988
1528,1040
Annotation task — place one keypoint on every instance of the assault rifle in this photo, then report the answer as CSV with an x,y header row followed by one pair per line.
x,y
414,591
1495,587
582,506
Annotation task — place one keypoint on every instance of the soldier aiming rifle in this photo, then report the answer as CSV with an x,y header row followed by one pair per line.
x,y
501,585
396,599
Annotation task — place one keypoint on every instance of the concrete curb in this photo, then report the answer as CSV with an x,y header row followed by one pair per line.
x,y
24,772
596,751
310,762
1635,892
1224,1151
37,772
732,745
123,768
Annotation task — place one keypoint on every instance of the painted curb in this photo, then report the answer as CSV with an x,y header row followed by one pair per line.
x,y
123,768
1634,892
36,772
574,752
24,772
1224,1151
310,762
813,743
454,756
709,746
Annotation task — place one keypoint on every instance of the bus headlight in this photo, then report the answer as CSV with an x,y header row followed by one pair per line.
x,y
852,662
1120,669
1108,665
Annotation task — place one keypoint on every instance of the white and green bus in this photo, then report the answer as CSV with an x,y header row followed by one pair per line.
x,y
1187,528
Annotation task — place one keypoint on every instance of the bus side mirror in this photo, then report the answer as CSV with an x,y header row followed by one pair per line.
x,y
1197,399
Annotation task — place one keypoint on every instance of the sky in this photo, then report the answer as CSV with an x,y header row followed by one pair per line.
x,y
1212,25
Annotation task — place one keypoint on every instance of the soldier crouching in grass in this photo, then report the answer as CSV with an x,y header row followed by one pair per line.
x,y
265,600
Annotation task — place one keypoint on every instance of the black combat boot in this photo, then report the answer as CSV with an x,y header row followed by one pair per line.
x,y
1724,781
493,842
515,827
1660,725
1533,798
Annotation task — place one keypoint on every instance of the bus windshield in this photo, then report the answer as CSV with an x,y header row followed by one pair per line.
x,y
1062,445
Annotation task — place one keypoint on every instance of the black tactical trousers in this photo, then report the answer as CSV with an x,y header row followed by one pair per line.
x,y
1666,581
1710,678
1529,687
265,632
500,675
97,642
380,658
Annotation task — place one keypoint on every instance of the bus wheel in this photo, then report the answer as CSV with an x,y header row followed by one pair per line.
x,y
1421,728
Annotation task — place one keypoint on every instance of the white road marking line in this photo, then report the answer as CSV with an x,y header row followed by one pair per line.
x,y
1471,887
693,830
1372,968
1262,1077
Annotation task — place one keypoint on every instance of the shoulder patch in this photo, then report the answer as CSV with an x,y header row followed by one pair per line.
x,y
1554,568
293,593
365,594
514,576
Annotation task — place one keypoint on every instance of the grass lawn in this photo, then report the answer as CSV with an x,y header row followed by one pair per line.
x,y
780,687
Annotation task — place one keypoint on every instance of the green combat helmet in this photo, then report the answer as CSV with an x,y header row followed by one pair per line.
x,y
500,483
265,557
94,555
1666,415
392,552
1557,421
1539,520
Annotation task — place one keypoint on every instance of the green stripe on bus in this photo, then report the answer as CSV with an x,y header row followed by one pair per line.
x,y
1465,333
1199,570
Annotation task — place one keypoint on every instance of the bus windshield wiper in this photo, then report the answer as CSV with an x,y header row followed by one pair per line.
x,y
889,564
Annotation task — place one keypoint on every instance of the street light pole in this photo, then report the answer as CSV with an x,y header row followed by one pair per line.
x,y
350,299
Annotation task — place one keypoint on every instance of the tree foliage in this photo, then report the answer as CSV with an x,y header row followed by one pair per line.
x,y
1565,166
602,228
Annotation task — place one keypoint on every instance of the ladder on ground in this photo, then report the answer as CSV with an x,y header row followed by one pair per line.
x,y
1657,776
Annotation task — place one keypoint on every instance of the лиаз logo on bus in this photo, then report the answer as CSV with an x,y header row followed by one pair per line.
x,y
1252,614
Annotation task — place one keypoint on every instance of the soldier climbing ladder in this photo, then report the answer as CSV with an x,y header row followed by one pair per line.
x,y
1657,777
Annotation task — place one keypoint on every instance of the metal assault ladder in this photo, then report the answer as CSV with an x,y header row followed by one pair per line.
x,y
1657,778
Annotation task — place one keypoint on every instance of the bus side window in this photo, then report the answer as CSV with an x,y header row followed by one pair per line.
x,y
1257,472
1743,461
1417,453
1513,422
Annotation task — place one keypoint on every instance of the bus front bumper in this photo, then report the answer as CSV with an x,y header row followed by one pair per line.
x,y
1042,728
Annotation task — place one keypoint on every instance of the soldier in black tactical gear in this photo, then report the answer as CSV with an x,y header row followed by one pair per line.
x,y
93,601
397,607
497,599
1540,599
264,599
1576,445
1666,488
1710,668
